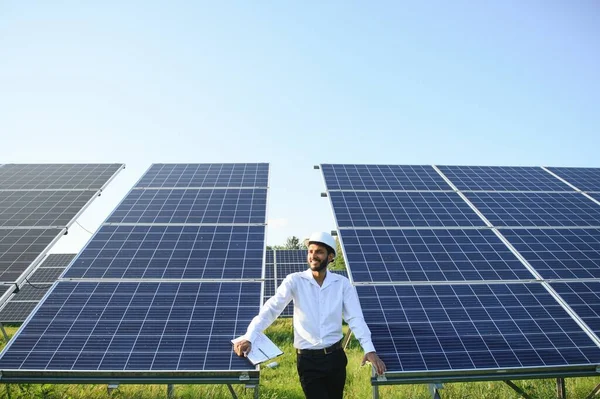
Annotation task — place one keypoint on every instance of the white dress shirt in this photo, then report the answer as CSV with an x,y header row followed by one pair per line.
x,y
318,311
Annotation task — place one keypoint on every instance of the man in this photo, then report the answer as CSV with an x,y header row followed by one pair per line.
x,y
321,300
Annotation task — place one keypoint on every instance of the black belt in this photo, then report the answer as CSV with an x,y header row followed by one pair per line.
x,y
321,352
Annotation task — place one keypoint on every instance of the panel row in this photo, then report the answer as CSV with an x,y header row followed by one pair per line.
x,y
484,327
447,209
136,327
465,178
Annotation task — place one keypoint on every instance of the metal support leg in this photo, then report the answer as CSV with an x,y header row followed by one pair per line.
x,y
232,391
591,395
434,390
170,391
256,391
517,389
561,389
6,337
111,388
375,392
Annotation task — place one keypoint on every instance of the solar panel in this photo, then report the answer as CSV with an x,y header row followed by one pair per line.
x,y
5,288
291,256
402,209
148,329
20,247
46,274
41,208
188,252
502,178
269,289
537,209
269,256
382,177
193,206
442,329
17,311
585,179
31,292
56,176
559,253
584,299
57,261
435,255
206,175
37,284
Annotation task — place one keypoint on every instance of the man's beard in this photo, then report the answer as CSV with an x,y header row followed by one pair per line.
x,y
321,266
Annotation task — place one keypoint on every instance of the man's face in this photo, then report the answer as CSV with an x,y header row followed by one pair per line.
x,y
317,257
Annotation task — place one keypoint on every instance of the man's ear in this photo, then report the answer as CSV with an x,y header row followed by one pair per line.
x,y
331,257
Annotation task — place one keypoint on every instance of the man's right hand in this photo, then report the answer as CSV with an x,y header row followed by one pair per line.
x,y
242,348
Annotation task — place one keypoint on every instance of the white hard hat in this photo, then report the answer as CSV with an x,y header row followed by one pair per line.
x,y
323,238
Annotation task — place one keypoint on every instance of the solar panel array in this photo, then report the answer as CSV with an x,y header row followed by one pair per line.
x,y
38,202
20,305
161,288
461,280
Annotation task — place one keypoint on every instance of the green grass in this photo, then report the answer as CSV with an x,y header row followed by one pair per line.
x,y
282,383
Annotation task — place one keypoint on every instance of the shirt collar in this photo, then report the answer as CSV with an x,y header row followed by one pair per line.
x,y
329,277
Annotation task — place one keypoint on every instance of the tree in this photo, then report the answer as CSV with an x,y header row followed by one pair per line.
x,y
294,242
338,263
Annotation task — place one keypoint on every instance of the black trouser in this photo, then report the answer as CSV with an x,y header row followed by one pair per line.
x,y
322,376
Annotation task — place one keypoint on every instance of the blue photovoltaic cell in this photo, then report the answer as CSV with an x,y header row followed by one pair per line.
x,y
190,252
269,290
559,253
584,299
206,175
402,209
585,179
472,327
382,177
291,256
136,326
537,209
503,178
193,206
429,255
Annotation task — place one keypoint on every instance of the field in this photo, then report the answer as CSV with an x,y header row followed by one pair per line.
x,y
282,383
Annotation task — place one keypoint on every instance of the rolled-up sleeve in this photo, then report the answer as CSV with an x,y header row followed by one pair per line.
x,y
271,309
353,315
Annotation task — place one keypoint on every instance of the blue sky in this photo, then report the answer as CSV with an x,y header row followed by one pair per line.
x,y
297,84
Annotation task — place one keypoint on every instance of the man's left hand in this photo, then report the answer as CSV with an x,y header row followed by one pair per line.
x,y
375,361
